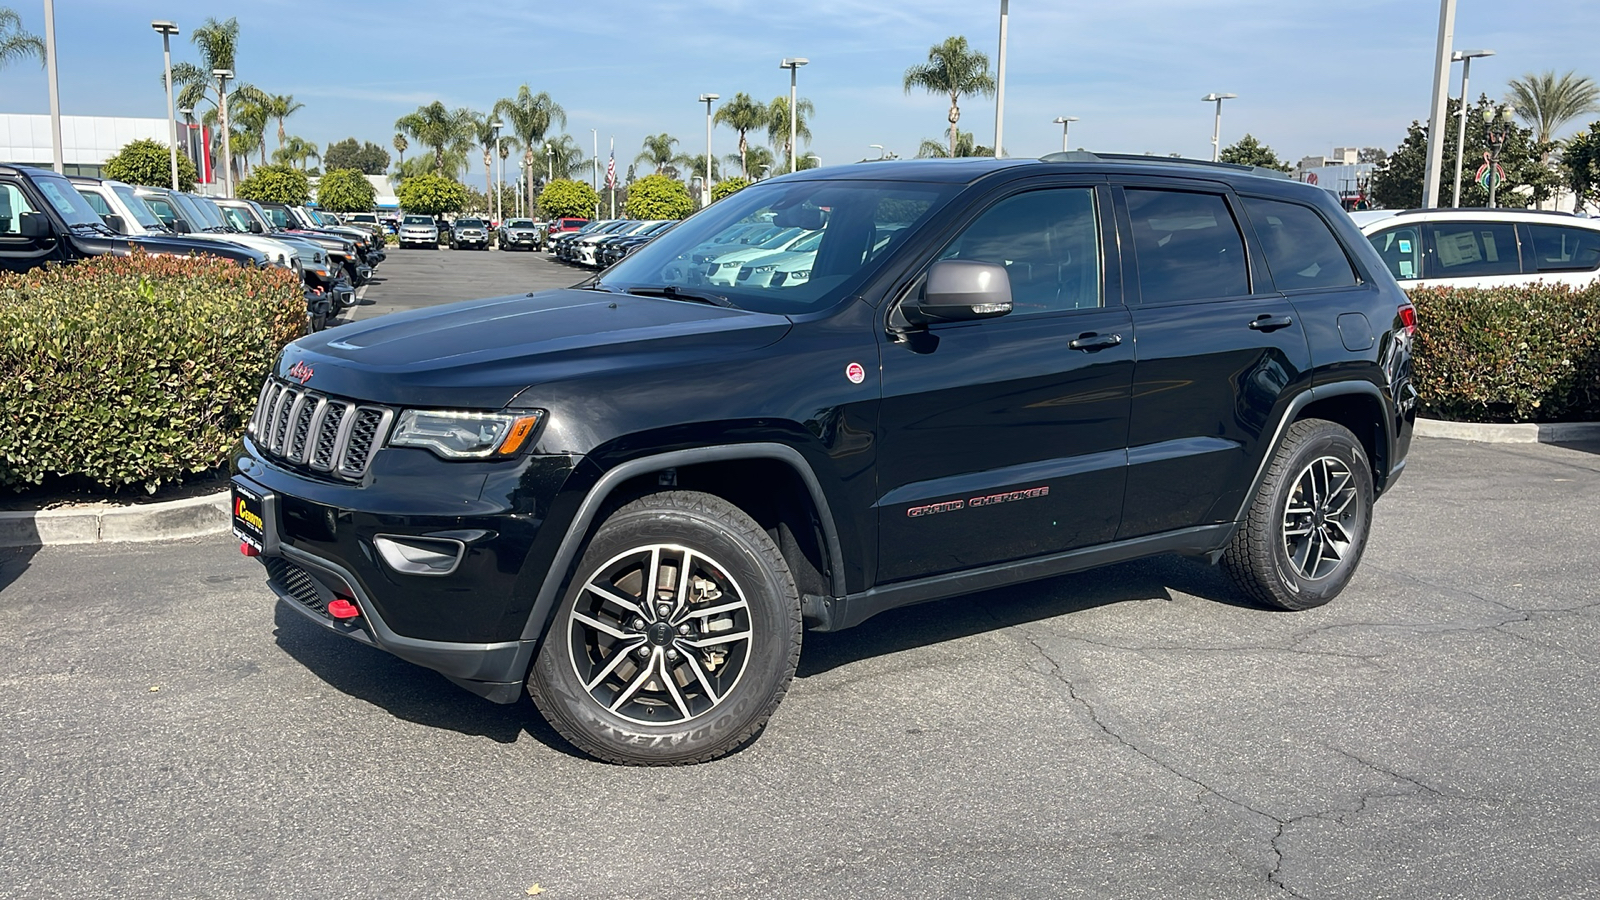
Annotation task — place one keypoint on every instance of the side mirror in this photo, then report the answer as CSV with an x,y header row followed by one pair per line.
x,y
960,290
255,228
115,223
33,225
179,226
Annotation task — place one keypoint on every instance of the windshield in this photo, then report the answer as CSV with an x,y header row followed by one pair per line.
x,y
469,223
856,225
520,223
141,212
67,201
364,218
213,214
418,220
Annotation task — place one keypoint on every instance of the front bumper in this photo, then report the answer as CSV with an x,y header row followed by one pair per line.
x,y
468,624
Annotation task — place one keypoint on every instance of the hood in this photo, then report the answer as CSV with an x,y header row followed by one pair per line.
x,y
187,246
481,353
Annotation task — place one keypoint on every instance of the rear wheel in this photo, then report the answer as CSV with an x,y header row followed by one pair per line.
x,y
677,637
1305,532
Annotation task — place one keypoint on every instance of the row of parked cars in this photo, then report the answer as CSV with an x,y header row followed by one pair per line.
x,y
599,244
45,217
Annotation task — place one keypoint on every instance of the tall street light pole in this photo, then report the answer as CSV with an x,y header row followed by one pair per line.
x,y
815,157
222,76
1066,123
168,29
1216,125
500,184
594,173
1466,57
705,186
793,65
1000,84
55,92
1441,102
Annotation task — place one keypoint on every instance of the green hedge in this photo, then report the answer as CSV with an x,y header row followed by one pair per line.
x,y
135,370
1528,354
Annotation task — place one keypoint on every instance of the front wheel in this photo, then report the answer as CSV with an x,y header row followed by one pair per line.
x,y
1303,537
677,637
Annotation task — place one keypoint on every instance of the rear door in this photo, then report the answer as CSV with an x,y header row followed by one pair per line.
x,y
1564,254
1476,254
1004,439
1219,350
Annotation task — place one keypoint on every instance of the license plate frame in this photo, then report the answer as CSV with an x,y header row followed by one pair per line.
x,y
251,515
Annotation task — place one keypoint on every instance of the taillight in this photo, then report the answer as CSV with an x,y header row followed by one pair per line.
x,y
1408,319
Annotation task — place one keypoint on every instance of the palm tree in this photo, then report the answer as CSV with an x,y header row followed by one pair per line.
x,y
484,132
966,146
530,116
280,107
217,42
743,115
658,151
757,157
563,158
295,151
439,129
400,145
1547,102
696,165
778,122
250,108
16,44
952,68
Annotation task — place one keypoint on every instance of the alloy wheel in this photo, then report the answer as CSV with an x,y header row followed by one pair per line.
x,y
1320,518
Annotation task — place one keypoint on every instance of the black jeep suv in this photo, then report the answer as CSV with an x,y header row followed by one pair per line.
x,y
633,496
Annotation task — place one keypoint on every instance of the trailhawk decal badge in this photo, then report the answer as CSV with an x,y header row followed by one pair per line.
x,y
300,372
855,373
931,509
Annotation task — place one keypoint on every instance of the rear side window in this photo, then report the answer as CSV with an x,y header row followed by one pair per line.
x,y
1474,249
1401,249
1188,246
1301,249
1558,248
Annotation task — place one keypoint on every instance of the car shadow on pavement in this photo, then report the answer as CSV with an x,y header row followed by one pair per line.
x,y
958,617
13,562
407,691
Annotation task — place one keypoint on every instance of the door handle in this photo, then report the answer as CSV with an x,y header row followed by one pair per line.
x,y
1091,341
1268,322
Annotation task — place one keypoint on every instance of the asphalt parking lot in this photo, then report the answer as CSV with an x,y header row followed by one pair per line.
x,y
1137,731
410,279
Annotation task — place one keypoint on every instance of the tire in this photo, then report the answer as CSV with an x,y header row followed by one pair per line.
x,y
1303,537
720,691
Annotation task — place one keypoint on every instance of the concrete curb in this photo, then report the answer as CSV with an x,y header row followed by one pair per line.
x,y
105,523
1528,433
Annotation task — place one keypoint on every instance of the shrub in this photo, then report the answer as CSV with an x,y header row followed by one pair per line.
x,y
135,370
346,190
1529,354
728,186
275,184
564,198
431,195
658,197
149,162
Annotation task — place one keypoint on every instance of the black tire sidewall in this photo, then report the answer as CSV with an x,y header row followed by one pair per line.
x,y
768,591
1334,441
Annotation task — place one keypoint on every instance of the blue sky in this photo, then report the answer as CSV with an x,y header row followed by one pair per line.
x,y
1310,76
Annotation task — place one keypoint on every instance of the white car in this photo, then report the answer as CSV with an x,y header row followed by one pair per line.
x,y
1482,248
419,230
723,268
762,271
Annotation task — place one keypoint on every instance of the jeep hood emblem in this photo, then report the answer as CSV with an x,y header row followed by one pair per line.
x,y
300,372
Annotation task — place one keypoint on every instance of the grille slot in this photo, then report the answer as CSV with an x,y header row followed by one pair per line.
x,y
297,583
306,428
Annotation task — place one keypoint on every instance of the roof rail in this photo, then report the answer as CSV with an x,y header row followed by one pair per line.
x,y
1543,212
1086,156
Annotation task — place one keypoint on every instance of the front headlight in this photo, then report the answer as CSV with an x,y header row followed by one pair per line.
x,y
465,435
764,270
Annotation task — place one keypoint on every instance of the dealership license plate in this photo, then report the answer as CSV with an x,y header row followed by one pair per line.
x,y
249,517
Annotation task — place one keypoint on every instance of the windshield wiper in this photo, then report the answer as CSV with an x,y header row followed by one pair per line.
x,y
673,292
96,227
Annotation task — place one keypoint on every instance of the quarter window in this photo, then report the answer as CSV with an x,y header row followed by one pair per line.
x,y
1557,248
1188,246
1049,242
1300,248
1474,249
1401,250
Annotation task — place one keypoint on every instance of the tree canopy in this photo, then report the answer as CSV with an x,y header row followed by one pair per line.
x,y
368,158
743,114
1547,101
1250,152
275,184
346,190
1398,183
955,69
150,163
1580,166
727,187
566,198
440,129
431,194
658,197
16,44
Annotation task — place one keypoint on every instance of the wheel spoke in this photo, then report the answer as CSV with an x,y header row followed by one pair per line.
x,y
1336,531
701,676
621,654
715,639
1296,532
646,672
614,599
597,625
1343,503
649,592
672,686
1314,544
714,610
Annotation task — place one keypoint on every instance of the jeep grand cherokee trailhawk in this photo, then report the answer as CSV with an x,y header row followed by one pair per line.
x,y
631,497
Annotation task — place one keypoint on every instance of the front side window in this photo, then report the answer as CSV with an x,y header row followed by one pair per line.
x,y
1401,250
96,203
1300,248
1560,248
279,217
1188,246
856,224
162,209
1474,249
1049,242
12,206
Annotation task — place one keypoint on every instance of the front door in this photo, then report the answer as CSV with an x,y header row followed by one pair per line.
x,y
1004,439
18,253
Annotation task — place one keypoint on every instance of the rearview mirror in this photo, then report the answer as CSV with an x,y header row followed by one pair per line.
x,y
808,217
33,225
960,290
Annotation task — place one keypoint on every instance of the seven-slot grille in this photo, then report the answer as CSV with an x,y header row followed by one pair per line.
x,y
317,431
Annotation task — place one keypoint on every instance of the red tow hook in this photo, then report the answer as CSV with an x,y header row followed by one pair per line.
x,y
248,550
343,609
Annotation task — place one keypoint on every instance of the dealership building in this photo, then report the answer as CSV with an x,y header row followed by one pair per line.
x,y
86,141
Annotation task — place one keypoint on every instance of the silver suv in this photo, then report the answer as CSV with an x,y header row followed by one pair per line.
x,y
419,230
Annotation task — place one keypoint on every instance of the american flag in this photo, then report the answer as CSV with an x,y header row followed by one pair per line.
x,y
611,168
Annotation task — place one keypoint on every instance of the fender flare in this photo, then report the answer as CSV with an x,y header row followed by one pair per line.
x,y
1292,411
578,528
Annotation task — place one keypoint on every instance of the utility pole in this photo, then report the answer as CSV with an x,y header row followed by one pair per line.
x,y
1441,103
1000,85
55,92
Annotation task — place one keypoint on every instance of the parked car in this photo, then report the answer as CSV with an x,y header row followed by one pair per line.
x,y
567,250
347,254
469,233
586,250
564,226
630,497
520,234
204,223
298,219
368,221
44,219
723,267
1482,248
419,231
616,248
